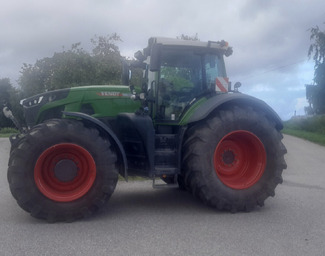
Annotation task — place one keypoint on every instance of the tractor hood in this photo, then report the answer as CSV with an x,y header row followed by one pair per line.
x,y
99,101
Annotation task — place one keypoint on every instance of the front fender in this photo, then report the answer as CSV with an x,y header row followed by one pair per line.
x,y
206,107
107,130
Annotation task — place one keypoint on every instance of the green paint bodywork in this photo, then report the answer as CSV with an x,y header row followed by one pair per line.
x,y
186,116
105,101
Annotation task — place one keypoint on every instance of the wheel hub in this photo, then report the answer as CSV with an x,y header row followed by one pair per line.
x,y
65,170
228,157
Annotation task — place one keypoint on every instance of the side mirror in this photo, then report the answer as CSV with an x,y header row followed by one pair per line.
x,y
139,56
155,57
236,86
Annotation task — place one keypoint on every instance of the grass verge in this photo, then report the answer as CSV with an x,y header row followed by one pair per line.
x,y
7,131
310,136
311,128
5,135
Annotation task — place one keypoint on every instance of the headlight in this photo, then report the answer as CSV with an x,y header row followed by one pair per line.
x,y
44,98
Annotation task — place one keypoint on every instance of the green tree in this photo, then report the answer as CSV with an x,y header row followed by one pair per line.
x,y
74,67
107,59
315,93
5,89
64,69
9,96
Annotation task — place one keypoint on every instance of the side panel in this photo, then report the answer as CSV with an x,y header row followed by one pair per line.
x,y
100,101
97,101
137,135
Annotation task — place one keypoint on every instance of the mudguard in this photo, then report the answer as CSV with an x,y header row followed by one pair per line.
x,y
109,131
204,109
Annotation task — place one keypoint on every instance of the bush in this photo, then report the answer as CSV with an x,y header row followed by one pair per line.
x,y
309,128
315,124
8,130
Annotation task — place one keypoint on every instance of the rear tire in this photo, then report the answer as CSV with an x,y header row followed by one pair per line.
x,y
234,160
62,171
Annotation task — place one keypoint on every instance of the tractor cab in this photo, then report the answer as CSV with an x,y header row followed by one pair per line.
x,y
178,72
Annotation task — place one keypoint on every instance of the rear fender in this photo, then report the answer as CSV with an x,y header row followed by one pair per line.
x,y
208,106
108,131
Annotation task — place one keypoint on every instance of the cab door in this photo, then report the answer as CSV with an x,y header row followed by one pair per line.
x,y
180,80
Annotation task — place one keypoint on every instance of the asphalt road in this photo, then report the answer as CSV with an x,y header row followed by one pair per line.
x,y
139,220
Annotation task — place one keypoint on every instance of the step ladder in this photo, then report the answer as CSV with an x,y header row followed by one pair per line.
x,y
166,159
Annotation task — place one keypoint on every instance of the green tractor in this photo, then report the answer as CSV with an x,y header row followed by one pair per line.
x,y
185,125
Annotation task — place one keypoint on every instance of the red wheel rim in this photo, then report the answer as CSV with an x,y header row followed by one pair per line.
x,y
65,172
240,159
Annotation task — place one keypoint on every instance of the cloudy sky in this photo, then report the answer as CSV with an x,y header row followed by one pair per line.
x,y
270,38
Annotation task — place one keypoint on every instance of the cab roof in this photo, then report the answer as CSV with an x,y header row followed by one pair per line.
x,y
221,45
180,42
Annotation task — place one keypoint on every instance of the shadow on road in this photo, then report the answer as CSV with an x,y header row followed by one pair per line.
x,y
142,199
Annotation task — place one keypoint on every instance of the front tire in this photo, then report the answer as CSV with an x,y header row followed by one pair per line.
x,y
62,171
234,160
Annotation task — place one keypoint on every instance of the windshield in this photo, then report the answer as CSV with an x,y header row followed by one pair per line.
x,y
184,75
